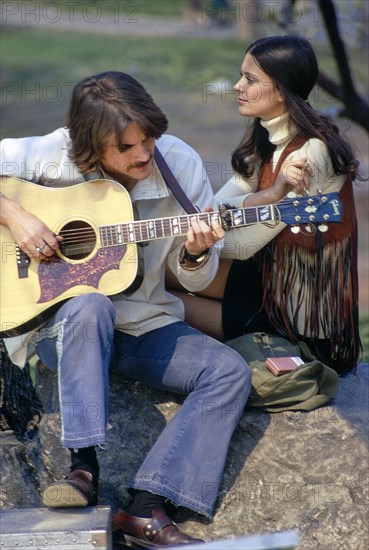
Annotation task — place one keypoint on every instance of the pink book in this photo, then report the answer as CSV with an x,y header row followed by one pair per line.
x,y
282,365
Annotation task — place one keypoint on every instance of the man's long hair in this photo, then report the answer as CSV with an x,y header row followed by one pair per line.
x,y
104,104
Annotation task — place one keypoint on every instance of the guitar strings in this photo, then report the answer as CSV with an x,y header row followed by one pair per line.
x,y
142,229
152,229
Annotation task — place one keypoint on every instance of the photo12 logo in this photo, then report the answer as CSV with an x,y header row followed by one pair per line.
x,y
254,11
69,11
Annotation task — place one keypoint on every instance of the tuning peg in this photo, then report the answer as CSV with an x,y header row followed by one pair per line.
x,y
308,229
291,195
295,229
323,227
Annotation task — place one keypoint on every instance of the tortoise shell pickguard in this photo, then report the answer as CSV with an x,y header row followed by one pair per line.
x,y
57,276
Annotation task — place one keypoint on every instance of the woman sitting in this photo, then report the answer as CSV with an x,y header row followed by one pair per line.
x,y
299,285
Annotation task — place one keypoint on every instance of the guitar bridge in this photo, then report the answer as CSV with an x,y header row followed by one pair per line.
x,y
23,262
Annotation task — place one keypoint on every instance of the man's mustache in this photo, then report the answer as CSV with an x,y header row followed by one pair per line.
x,y
139,164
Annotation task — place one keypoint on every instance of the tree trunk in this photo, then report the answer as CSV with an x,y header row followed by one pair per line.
x,y
355,107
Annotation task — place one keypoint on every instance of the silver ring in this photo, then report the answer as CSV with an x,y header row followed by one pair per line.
x,y
40,249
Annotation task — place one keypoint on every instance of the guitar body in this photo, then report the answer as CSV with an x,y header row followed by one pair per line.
x,y
99,251
32,290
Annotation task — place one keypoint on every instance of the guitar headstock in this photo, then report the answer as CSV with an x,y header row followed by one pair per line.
x,y
316,209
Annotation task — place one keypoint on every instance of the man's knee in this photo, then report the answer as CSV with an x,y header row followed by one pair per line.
x,y
236,367
92,306
241,368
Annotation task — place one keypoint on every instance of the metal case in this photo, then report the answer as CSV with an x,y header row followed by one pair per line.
x,y
58,529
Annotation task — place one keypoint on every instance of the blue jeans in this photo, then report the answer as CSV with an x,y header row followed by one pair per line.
x,y
187,461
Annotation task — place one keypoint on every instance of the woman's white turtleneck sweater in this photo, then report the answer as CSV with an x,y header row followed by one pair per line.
x,y
242,243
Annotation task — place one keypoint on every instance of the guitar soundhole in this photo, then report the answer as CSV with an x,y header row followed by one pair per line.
x,y
79,240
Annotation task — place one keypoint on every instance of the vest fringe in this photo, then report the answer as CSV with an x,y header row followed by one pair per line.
x,y
322,271
327,283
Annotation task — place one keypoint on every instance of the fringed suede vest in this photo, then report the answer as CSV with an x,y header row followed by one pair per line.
x,y
324,268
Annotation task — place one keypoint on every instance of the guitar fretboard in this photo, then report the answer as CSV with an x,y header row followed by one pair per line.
x,y
160,228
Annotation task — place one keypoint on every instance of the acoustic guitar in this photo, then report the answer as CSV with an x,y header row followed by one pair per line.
x,y
100,236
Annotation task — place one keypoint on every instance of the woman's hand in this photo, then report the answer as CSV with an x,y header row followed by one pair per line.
x,y
293,176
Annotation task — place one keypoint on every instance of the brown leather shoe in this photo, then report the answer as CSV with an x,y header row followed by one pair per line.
x,y
76,490
157,532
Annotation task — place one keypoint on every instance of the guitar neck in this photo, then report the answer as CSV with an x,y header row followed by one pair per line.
x,y
175,226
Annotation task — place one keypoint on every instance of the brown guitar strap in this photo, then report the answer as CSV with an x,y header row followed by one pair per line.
x,y
173,184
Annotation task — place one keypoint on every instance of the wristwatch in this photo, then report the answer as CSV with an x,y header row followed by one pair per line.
x,y
195,258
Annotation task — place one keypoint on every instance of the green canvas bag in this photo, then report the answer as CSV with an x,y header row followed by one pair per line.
x,y
309,386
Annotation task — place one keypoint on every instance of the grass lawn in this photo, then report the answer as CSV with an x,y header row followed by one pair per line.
x,y
39,68
160,8
178,65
